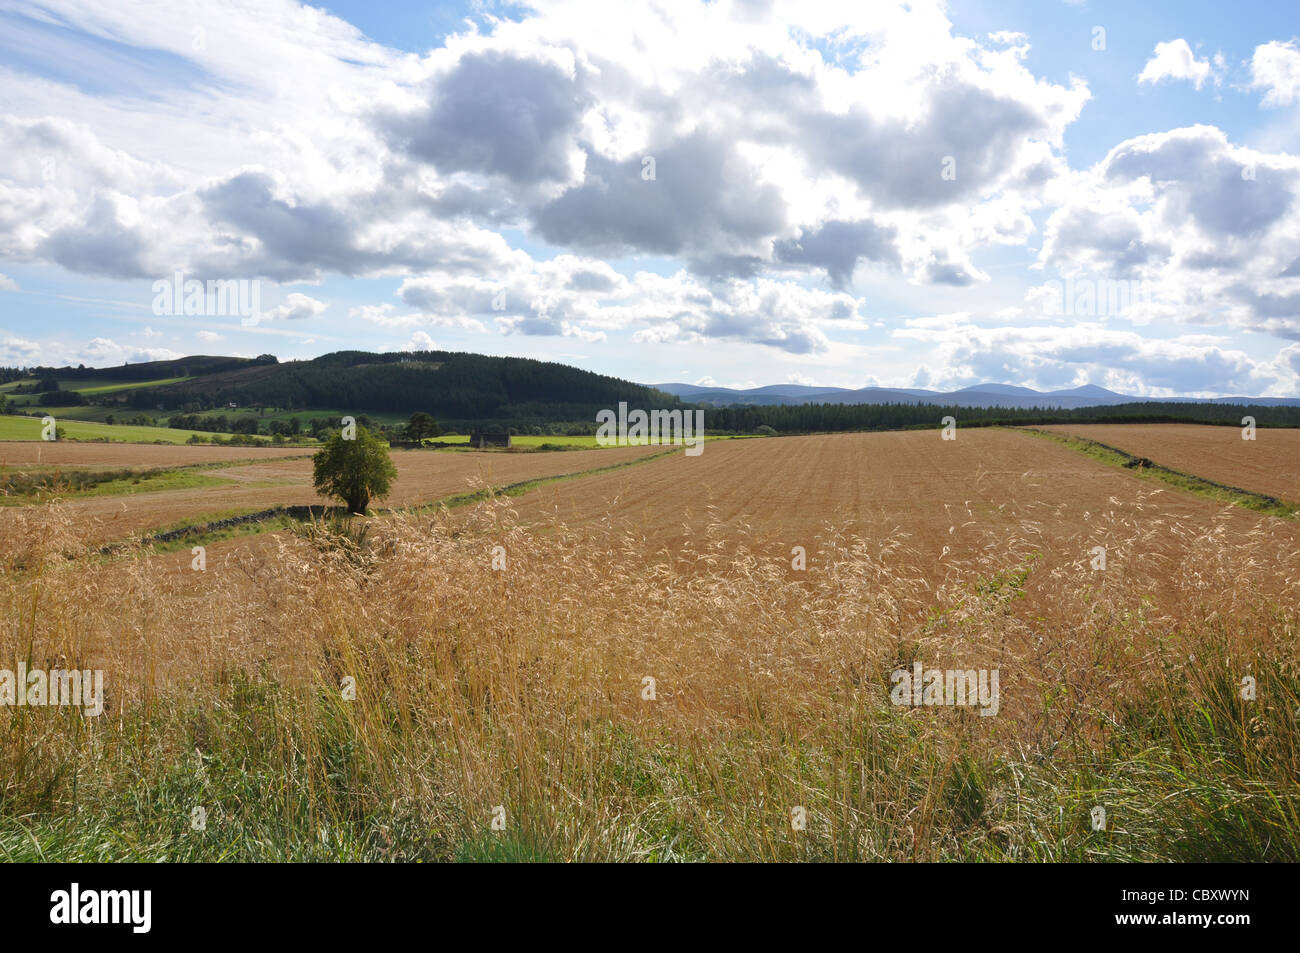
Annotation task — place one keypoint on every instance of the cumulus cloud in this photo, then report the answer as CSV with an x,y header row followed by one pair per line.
x,y
387,316
103,351
496,113
705,199
7,283
1174,59
296,307
1062,356
762,150
1275,68
16,351
103,243
734,173
1210,228
838,247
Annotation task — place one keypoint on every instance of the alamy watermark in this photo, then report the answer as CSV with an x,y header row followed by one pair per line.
x,y
640,428
952,686
58,687
212,298
1094,297
128,907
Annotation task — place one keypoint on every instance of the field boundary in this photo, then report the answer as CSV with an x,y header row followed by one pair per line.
x,y
84,482
1148,468
199,532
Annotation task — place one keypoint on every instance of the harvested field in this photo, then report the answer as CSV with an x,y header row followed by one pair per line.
x,y
423,477
930,507
143,455
523,685
933,512
1269,464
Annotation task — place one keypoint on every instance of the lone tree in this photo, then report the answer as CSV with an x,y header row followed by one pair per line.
x,y
355,470
420,426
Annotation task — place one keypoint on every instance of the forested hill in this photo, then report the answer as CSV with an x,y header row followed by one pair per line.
x,y
447,384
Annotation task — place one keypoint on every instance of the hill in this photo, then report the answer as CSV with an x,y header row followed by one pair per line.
x,y
452,386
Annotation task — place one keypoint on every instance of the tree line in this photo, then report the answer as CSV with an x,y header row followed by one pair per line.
x,y
817,418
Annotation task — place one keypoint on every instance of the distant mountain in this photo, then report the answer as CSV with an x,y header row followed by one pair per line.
x,y
771,394
796,390
975,395
1010,390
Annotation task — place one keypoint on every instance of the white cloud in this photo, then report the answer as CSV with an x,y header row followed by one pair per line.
x,y
1275,67
1065,355
7,283
209,337
18,352
1210,229
103,351
386,315
296,307
373,162
798,200
1174,59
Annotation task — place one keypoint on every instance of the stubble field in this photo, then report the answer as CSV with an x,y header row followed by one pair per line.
x,y
638,664
1268,464
256,480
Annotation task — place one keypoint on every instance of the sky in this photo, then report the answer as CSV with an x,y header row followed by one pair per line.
x,y
739,193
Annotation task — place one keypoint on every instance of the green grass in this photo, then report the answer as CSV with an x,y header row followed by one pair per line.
x,y
47,482
93,387
29,428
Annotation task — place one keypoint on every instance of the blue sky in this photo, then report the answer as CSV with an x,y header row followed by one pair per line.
x,y
844,194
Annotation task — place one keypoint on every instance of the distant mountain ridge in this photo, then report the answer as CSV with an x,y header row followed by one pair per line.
x,y
975,395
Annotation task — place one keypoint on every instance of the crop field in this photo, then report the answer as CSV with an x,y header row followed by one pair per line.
x,y
1268,464
69,454
662,660
29,428
529,441
283,477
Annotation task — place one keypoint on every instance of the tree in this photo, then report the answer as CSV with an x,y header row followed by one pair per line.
x,y
421,425
356,471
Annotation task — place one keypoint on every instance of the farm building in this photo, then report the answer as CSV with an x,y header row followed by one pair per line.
x,y
482,439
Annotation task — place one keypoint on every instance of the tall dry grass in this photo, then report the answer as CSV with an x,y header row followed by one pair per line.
x,y
477,688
